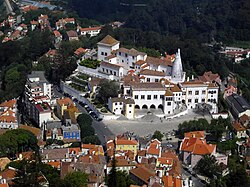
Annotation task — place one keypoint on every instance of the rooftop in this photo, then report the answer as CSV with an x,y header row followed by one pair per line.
x,y
108,40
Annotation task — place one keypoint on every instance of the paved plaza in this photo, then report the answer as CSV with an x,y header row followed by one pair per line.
x,y
150,123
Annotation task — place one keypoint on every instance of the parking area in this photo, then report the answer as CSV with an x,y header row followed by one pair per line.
x,y
150,123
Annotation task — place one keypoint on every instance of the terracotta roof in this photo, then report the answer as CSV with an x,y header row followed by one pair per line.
x,y
8,174
158,61
140,62
95,81
121,162
175,88
3,162
244,118
170,181
165,161
79,51
126,142
238,127
132,52
8,104
4,185
168,93
64,101
90,28
152,72
57,33
72,33
194,83
108,40
34,22
197,146
130,78
209,77
109,65
195,134
142,173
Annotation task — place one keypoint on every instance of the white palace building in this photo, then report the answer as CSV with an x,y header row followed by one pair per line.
x,y
149,82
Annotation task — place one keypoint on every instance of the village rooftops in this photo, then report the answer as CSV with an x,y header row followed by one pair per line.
x,y
142,173
109,41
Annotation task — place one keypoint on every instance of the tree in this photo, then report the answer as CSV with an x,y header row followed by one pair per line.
x,y
207,166
158,135
108,89
91,140
75,179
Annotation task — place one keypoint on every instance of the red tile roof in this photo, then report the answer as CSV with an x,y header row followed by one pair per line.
x,y
90,28
197,146
195,134
238,127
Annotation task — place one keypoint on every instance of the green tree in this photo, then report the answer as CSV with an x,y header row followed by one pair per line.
x,y
158,135
108,89
208,167
75,179
91,139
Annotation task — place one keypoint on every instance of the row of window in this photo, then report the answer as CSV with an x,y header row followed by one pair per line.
x,y
196,100
126,55
149,97
109,71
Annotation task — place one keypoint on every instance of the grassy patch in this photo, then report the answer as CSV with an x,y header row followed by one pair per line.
x,y
89,63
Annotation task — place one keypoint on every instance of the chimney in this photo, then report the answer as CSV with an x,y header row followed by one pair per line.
x,y
187,79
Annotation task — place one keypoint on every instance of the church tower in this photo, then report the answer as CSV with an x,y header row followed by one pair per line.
x,y
177,70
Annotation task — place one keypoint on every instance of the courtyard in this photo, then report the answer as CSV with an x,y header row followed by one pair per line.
x,y
150,123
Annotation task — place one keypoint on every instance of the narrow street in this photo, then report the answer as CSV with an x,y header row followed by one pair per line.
x,y
101,129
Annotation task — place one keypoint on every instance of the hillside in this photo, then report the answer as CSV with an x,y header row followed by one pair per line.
x,y
201,19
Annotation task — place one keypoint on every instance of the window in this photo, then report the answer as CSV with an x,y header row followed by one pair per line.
x,y
189,92
133,57
102,69
196,92
142,96
130,105
203,100
161,96
114,73
120,53
111,72
169,103
196,100
126,55
136,96
129,111
107,70
184,93
149,97
115,103
156,80
189,100
106,54
120,103
203,92
102,53
155,96
148,79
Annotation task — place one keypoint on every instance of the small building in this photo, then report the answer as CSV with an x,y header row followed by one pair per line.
x,y
58,36
141,175
91,31
72,35
106,46
62,104
42,113
8,114
120,105
71,132
238,106
239,130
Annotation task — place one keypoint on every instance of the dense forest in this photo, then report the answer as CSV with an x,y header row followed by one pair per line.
x,y
205,20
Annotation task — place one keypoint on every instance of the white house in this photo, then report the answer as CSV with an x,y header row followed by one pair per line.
x,y
91,31
106,46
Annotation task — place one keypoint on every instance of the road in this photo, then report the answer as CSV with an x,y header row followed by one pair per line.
x,y
101,129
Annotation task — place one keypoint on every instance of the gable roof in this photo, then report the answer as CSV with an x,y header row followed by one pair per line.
x,y
157,61
197,146
142,173
108,40
152,72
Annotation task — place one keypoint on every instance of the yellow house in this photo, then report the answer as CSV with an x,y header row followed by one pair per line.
x,y
127,145
63,104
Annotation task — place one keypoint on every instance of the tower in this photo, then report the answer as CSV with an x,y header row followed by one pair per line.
x,y
177,70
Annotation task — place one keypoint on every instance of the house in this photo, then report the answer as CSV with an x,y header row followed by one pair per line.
x,y
123,144
121,164
106,46
171,181
193,149
58,36
111,69
119,105
72,35
229,91
42,113
71,132
141,175
239,130
63,104
33,24
244,120
154,149
90,31
52,155
8,114
60,24
8,175
3,162
92,149
80,52
238,106
210,77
